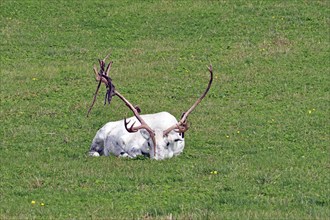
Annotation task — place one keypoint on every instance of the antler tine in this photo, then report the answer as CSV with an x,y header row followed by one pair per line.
x,y
97,76
108,68
106,57
94,98
130,129
184,117
102,63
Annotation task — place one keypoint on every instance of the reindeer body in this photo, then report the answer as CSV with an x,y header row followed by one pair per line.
x,y
114,139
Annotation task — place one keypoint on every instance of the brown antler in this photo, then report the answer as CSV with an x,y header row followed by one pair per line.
x,y
102,76
182,126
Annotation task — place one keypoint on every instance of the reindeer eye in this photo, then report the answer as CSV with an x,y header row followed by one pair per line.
x,y
168,144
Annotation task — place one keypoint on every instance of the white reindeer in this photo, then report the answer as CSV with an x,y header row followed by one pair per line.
x,y
113,138
160,136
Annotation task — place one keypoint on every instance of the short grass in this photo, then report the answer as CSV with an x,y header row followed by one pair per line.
x,y
264,126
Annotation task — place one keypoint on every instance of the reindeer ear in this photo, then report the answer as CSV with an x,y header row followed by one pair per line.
x,y
145,134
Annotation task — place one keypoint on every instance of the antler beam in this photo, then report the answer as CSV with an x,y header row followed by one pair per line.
x,y
182,124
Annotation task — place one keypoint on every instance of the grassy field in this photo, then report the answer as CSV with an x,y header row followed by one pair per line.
x,y
258,146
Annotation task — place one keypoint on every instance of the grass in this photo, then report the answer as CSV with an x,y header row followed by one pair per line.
x,y
264,126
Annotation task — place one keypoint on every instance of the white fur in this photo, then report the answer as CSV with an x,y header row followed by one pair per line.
x,y
113,138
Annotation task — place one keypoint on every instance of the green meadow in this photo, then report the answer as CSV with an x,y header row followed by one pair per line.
x,y
258,145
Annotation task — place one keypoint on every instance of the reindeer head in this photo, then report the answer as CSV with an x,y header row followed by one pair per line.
x,y
158,145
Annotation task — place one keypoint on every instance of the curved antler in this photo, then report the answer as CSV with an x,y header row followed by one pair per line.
x,y
102,76
182,124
